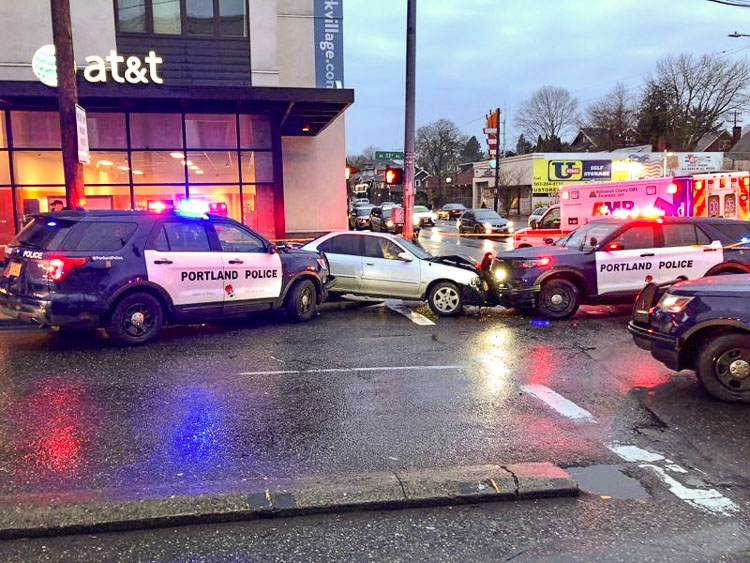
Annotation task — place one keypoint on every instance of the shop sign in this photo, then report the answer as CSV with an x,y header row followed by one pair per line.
x,y
549,175
329,44
120,69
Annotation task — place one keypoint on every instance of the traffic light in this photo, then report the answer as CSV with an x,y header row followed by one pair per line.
x,y
394,176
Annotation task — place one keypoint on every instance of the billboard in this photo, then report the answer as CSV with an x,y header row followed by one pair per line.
x,y
329,44
550,174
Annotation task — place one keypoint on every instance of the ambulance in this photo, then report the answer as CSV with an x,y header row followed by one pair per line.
x,y
579,204
722,194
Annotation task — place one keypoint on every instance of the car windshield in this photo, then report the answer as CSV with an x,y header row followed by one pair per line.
x,y
454,206
44,232
387,212
415,250
420,209
580,239
486,215
363,211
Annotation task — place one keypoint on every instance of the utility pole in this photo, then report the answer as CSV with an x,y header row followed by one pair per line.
x,y
67,95
410,115
497,161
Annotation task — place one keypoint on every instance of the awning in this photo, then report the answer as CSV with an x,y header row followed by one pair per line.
x,y
300,111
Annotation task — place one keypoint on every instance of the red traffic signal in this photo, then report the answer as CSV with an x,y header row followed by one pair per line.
x,y
394,176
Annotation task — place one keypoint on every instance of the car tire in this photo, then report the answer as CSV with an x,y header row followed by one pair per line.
x,y
723,367
302,301
445,299
135,319
477,230
559,300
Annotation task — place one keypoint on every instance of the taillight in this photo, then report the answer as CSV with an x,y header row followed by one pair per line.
x,y
59,267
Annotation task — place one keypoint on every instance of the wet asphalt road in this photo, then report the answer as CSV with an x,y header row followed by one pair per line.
x,y
367,389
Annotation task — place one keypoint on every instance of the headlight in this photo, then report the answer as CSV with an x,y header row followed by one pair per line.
x,y
433,216
458,222
500,274
476,281
509,224
487,226
416,220
673,303
540,263
389,223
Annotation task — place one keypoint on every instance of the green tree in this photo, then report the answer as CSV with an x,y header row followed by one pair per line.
x,y
472,151
523,146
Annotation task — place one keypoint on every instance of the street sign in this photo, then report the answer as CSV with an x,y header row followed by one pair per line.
x,y
389,155
83,135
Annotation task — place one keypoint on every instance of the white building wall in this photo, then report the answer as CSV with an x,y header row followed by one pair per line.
x,y
263,42
296,37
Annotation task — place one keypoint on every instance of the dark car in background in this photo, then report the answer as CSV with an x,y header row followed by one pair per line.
x,y
381,221
359,217
484,221
451,211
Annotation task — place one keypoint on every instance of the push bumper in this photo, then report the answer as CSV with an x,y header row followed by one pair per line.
x,y
663,347
40,312
525,298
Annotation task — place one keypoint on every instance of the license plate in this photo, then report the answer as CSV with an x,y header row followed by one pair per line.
x,y
14,269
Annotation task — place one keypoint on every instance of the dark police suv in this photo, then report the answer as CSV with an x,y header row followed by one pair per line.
x,y
131,271
611,260
703,325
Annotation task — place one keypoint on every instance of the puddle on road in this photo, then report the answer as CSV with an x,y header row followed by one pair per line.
x,y
607,480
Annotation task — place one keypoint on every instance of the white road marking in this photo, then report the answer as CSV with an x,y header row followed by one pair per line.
x,y
559,403
348,370
416,318
709,500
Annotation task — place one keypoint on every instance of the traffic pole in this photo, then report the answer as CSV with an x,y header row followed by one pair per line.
x,y
67,95
410,114
497,160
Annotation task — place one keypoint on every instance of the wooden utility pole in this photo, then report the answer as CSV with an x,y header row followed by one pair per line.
x,y
67,95
497,160
410,113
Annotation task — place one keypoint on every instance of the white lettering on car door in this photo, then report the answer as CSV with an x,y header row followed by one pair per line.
x,y
189,277
688,261
625,270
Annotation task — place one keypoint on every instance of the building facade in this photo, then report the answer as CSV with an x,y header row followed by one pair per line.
x,y
239,103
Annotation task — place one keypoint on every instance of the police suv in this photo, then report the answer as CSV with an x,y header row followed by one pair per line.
x,y
132,271
611,260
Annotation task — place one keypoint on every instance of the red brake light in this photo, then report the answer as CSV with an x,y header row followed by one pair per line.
x,y
672,189
157,206
59,267
545,261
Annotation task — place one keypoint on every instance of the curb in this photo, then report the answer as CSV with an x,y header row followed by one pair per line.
x,y
23,517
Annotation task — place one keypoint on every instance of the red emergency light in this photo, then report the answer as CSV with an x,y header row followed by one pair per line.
x,y
672,189
159,206
565,195
699,185
218,208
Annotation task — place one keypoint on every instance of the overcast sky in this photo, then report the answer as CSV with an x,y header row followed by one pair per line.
x,y
476,54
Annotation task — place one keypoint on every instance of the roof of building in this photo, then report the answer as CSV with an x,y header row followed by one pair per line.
x,y
741,147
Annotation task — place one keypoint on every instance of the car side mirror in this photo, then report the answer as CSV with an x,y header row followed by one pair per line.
x,y
406,257
549,241
593,242
273,249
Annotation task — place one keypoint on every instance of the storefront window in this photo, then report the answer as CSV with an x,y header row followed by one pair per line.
x,y
171,195
200,17
131,15
213,166
257,167
158,167
255,132
232,18
38,167
219,197
167,16
259,209
7,229
107,168
4,168
36,129
106,130
37,199
155,130
211,131
107,197
3,134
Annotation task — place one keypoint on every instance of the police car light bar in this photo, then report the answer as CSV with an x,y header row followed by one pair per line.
x,y
193,208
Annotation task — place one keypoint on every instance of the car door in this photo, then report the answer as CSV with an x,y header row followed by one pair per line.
x,y
687,251
628,261
466,221
344,253
384,273
180,260
375,219
252,270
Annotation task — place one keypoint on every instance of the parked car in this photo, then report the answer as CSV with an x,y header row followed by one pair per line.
x,y
383,265
484,221
362,200
381,221
423,216
359,217
389,204
451,211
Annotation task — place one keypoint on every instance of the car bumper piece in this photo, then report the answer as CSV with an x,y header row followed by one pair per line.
x,y
39,311
663,347
525,297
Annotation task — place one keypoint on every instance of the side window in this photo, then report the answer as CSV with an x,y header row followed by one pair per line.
x,y
636,238
160,243
377,247
186,237
99,236
703,238
234,239
344,244
551,220
679,235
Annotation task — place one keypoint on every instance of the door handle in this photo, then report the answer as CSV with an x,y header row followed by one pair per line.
x,y
163,262
710,249
369,264
236,261
647,254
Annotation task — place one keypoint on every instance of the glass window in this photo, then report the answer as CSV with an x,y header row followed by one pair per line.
x,y
636,238
211,131
551,220
3,135
131,15
107,197
106,130
200,17
36,129
107,168
232,18
255,132
222,200
730,206
45,234
4,168
703,238
169,195
156,130
377,247
598,230
186,237
735,231
344,244
679,235
219,167
157,167
234,239
160,242
38,167
96,236
7,228
257,167
167,16
259,203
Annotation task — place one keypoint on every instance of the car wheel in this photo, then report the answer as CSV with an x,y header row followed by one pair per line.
x,y
302,301
477,230
136,319
445,299
723,367
559,299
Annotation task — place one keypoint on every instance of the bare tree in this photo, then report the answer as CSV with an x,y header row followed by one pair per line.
x,y
367,155
688,97
439,145
612,119
550,112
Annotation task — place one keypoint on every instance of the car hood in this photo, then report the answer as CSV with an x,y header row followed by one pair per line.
x,y
456,260
423,214
534,252
494,222
737,285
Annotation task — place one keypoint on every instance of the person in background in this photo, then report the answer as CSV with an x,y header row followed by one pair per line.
x,y
484,205
56,205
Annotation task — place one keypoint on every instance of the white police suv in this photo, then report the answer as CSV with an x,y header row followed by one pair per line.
x,y
132,271
611,260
